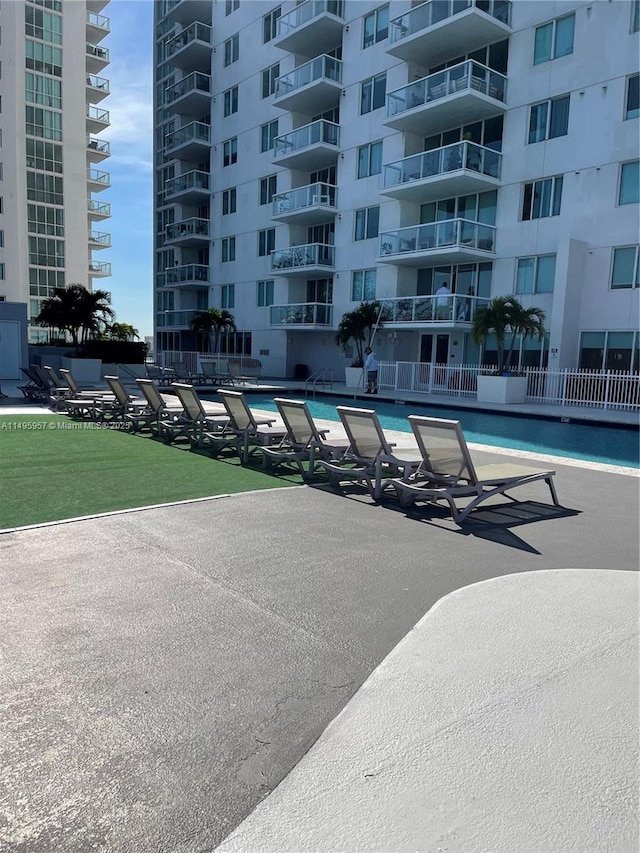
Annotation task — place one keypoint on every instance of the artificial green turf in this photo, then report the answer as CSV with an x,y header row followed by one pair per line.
x,y
52,468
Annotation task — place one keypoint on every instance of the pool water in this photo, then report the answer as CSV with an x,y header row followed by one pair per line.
x,y
607,444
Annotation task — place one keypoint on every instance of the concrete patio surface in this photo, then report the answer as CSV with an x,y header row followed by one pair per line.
x,y
163,670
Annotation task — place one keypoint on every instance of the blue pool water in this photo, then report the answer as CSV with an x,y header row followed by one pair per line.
x,y
610,445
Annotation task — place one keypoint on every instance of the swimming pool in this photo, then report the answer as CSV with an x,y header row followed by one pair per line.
x,y
607,444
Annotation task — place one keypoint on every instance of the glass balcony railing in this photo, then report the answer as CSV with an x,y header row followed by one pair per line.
x,y
303,314
196,131
101,207
425,309
439,161
306,12
194,82
438,235
97,52
309,255
95,114
194,180
99,177
98,83
180,319
100,237
467,76
99,21
303,137
187,273
302,197
321,68
193,227
427,14
194,32
103,268
101,146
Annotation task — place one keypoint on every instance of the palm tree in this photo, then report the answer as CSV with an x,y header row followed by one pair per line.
x,y
76,310
359,325
502,315
213,321
123,332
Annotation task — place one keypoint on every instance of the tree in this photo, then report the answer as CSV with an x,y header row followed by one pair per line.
x,y
506,315
212,322
359,325
76,310
123,332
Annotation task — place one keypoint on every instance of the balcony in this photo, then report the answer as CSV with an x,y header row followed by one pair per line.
x,y
312,28
454,170
97,58
97,27
186,11
304,314
440,29
188,232
99,270
97,149
190,50
175,319
98,209
303,260
190,142
191,95
416,312
311,88
309,205
314,146
188,276
451,241
98,180
190,188
97,119
461,94
99,240
97,88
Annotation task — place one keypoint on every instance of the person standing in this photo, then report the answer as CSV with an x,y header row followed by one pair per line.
x,y
371,368
443,302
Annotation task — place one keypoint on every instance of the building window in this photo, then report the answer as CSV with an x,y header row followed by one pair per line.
x,y
609,351
231,101
231,6
45,220
2,275
363,285
230,151
1,239
43,123
625,272
376,26
367,219
269,77
235,343
549,119
630,183
46,91
268,188
44,188
370,160
228,249
633,97
44,156
46,252
635,16
542,198
266,241
43,57
42,25
227,296
372,93
265,293
268,134
231,50
536,275
270,25
554,39
229,201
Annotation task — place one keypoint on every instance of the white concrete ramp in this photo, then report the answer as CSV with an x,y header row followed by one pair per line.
x,y
507,720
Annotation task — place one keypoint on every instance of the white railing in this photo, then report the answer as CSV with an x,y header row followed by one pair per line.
x,y
433,12
303,197
303,137
193,33
321,68
439,161
438,235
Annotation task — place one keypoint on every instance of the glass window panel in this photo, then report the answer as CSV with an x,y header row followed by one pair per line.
x,y
484,280
524,275
630,183
467,206
369,30
559,123
369,290
363,161
542,198
624,267
542,44
427,212
545,274
499,56
379,91
376,159
538,122
373,219
487,206
557,195
564,36
633,97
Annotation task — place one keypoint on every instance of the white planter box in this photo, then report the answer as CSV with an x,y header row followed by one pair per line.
x,y
85,371
502,389
355,377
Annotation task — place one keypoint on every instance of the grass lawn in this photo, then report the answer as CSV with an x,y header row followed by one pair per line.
x,y
54,468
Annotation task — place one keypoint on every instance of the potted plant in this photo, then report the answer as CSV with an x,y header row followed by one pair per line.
x,y
505,316
358,326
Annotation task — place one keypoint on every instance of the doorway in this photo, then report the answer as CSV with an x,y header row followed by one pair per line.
x,y
434,349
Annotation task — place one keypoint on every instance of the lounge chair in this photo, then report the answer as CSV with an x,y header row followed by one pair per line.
x,y
77,391
196,418
447,471
235,374
250,432
161,375
184,375
121,405
372,458
304,441
159,407
37,390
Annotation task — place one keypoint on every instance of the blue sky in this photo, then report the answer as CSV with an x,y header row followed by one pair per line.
x,y
131,163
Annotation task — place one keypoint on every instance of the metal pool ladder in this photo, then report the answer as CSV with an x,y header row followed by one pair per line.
x,y
323,376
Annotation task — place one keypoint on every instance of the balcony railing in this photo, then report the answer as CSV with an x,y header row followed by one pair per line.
x,y
101,237
101,53
428,309
100,116
438,235
306,12
103,208
100,146
435,11
98,83
99,21
309,134
467,76
98,177
193,180
187,274
309,255
196,82
303,314
439,161
180,319
195,131
100,268
194,32
303,197
193,227
321,68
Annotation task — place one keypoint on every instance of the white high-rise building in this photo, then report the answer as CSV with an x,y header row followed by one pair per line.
x,y
311,156
51,155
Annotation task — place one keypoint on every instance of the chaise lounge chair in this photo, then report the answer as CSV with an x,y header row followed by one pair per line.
x,y
196,418
372,458
248,431
447,471
159,407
